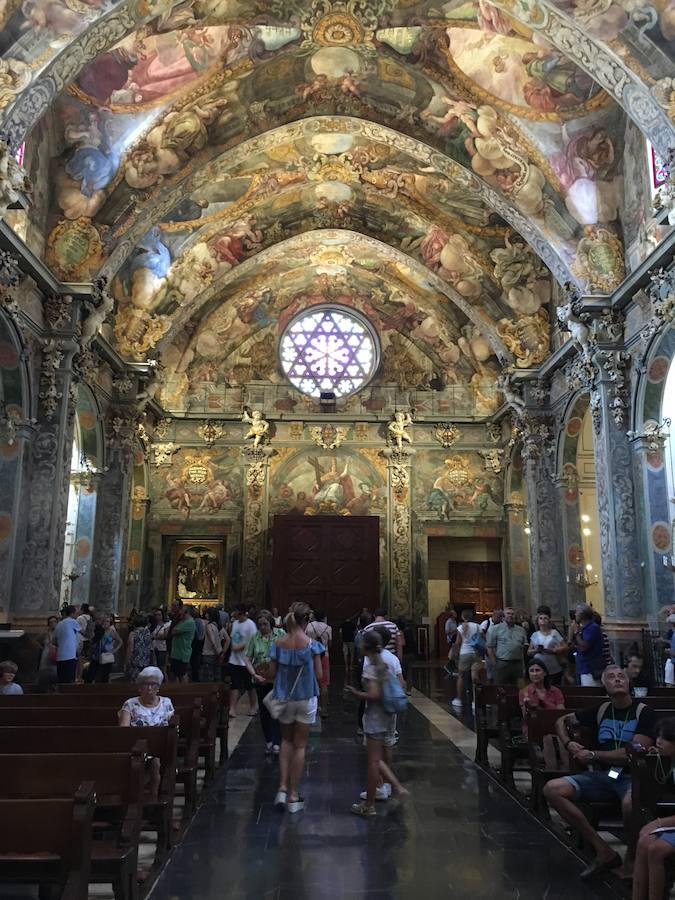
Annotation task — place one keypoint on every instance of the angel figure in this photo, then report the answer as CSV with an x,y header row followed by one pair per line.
x,y
580,332
397,428
13,179
97,316
152,387
259,427
513,399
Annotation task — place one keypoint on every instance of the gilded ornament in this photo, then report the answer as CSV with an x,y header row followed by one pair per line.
x,y
162,454
446,434
74,249
197,468
599,259
211,432
339,29
137,331
329,437
528,338
457,471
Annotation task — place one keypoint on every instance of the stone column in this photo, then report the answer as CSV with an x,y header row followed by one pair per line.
x,y
39,587
112,512
400,531
654,509
572,549
619,541
256,466
543,512
518,589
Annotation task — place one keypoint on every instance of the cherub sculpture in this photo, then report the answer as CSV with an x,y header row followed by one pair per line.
x,y
397,428
513,399
152,387
259,427
580,332
97,316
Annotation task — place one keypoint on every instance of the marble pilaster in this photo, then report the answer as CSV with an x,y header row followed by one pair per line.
x,y
518,591
546,543
112,514
619,541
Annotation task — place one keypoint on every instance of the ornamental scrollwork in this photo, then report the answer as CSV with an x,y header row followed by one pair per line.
x,y
328,437
448,434
494,459
210,432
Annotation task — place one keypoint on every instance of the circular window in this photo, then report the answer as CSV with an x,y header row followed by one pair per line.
x,y
329,348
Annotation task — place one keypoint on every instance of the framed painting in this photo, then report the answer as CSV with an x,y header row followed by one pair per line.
x,y
197,572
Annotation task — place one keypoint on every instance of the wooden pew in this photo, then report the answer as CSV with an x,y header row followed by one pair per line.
x,y
189,736
48,842
162,743
118,779
174,690
114,695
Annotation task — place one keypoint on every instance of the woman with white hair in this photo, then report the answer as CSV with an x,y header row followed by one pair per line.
x,y
148,708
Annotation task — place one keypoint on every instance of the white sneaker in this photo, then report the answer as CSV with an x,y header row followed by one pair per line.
x,y
381,793
457,703
276,749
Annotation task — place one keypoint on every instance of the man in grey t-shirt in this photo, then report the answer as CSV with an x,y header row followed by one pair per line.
x,y
506,643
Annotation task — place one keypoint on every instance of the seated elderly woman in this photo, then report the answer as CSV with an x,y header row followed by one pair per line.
x,y
148,708
8,670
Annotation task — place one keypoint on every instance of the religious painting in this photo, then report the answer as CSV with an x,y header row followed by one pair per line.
x,y
197,572
199,483
317,482
450,485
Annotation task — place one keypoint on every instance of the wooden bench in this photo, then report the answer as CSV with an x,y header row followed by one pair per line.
x,y
174,690
161,742
118,780
48,842
114,696
189,734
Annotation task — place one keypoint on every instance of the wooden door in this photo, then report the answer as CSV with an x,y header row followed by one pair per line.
x,y
476,584
330,562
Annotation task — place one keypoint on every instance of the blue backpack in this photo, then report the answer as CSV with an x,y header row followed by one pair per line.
x,y
478,645
394,698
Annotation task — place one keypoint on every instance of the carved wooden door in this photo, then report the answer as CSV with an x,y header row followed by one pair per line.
x,y
330,562
476,584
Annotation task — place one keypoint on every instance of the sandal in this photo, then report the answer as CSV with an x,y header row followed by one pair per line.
x,y
280,800
362,809
294,806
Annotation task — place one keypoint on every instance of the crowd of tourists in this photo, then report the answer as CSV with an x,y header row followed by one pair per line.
x,y
279,669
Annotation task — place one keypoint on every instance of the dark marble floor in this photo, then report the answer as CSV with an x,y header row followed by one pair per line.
x,y
460,834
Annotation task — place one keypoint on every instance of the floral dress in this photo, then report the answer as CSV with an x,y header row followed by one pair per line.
x,y
149,715
141,652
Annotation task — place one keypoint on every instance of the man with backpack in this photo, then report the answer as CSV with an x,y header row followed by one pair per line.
x,y
612,726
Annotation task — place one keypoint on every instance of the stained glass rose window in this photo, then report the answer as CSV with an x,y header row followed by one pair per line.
x,y
329,348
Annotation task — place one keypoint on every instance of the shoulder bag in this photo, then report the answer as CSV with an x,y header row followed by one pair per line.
x,y
275,707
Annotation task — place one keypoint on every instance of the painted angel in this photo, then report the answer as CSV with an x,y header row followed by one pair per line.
x,y
259,427
397,429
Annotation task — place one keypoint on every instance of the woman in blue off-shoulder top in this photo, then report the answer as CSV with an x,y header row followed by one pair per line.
x,y
296,663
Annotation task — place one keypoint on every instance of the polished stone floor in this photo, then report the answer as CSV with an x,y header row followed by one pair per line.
x,y
459,835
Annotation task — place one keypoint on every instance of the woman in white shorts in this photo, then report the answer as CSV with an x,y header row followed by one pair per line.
x,y
296,665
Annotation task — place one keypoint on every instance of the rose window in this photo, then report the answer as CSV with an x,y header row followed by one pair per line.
x,y
329,349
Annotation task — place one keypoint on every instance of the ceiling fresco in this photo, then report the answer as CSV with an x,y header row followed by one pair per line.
x,y
188,150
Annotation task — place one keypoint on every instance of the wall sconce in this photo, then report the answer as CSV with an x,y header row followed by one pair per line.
x,y
586,578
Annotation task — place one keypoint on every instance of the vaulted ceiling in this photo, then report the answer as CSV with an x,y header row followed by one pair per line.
x,y
440,166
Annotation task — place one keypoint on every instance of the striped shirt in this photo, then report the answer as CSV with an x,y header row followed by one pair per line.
x,y
393,633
